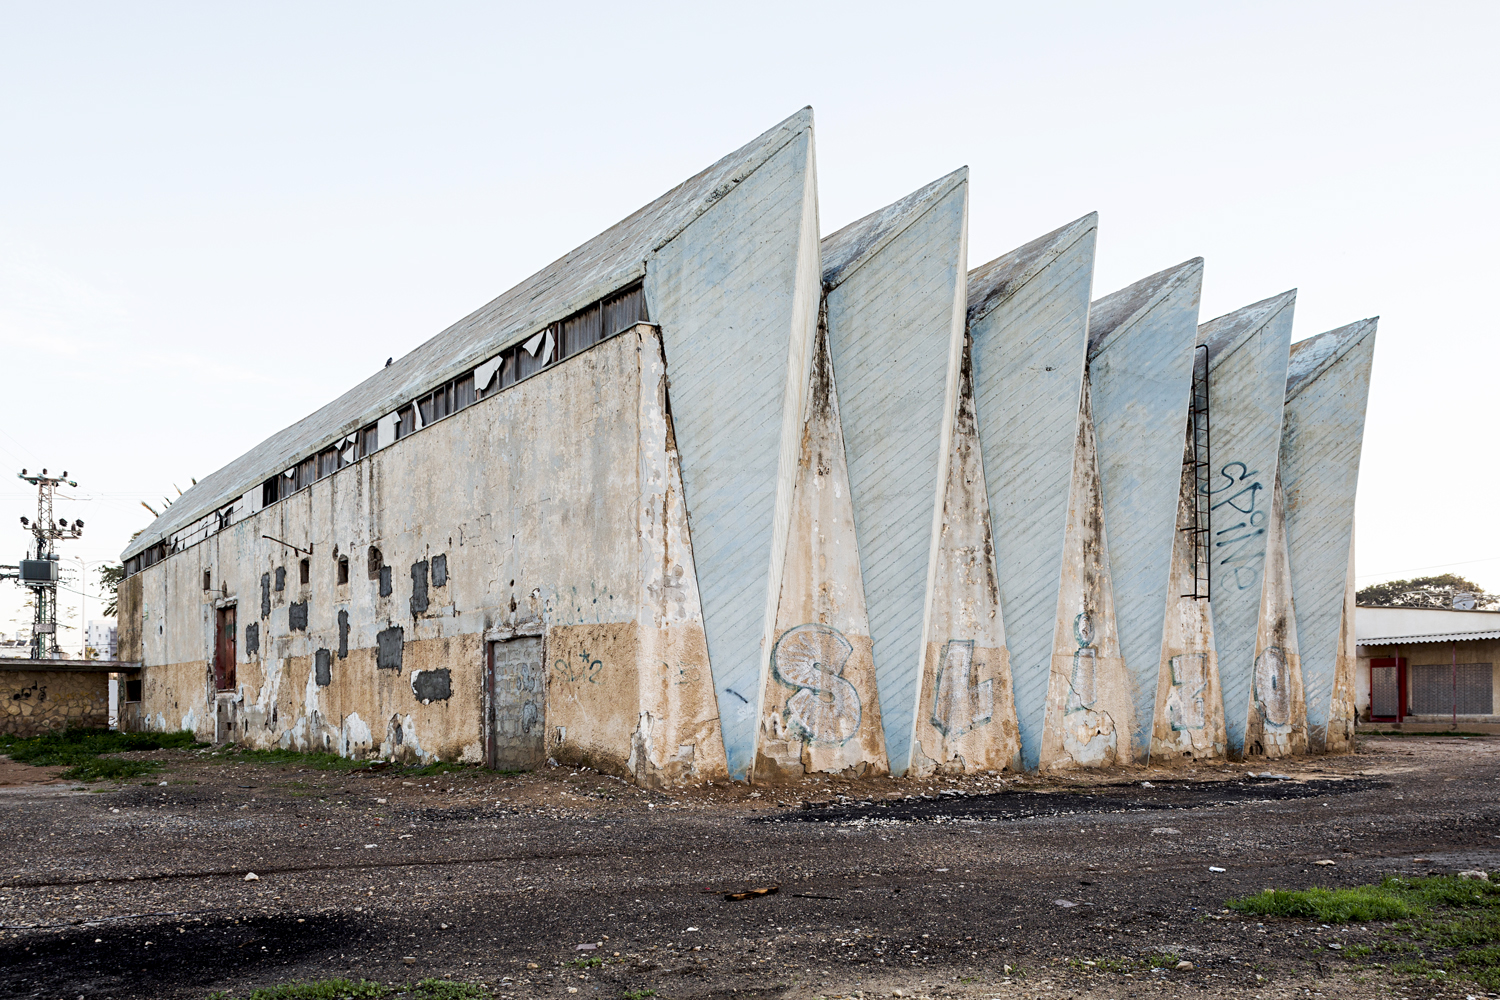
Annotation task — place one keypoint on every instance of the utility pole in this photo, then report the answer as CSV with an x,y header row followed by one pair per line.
x,y
38,569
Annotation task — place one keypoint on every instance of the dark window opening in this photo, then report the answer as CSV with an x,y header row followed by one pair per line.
x,y
280,578
207,585
369,440
374,562
133,690
328,462
343,569
304,571
406,421
306,472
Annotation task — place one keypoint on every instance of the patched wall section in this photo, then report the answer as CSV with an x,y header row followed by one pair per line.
x,y
530,499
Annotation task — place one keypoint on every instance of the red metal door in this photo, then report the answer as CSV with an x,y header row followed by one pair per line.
x,y
224,651
1388,689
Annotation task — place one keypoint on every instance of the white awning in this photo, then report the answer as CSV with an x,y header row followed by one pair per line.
x,y
1407,640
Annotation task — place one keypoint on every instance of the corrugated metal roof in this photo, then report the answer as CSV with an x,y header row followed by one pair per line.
x,y
607,262
1412,640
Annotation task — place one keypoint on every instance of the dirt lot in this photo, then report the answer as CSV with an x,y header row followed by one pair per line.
x,y
991,887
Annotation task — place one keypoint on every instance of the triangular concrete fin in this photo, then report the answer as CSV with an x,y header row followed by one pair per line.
x,y
583,275
1140,380
1275,717
1224,334
844,251
1322,436
993,283
1247,361
966,712
1312,357
1121,309
741,279
820,710
895,322
1090,706
1189,709
1028,329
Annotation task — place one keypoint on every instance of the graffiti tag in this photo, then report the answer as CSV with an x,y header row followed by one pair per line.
x,y
1242,544
825,708
962,702
1185,698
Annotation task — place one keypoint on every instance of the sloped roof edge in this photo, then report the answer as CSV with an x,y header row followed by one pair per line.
x,y
1121,309
590,271
1312,357
846,250
993,283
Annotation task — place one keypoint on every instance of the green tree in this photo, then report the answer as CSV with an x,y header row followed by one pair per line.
x,y
110,576
1423,592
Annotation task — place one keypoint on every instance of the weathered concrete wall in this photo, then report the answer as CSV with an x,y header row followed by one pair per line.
x,y
1140,376
531,500
1328,382
741,281
677,736
1028,324
1189,710
1090,697
38,701
895,292
1247,361
1276,720
820,710
966,715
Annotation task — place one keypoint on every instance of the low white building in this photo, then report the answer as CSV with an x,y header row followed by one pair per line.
x,y
1427,669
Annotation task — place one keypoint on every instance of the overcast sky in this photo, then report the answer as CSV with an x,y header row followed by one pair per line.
x,y
214,218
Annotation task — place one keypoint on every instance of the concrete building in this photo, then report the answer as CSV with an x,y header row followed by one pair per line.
x,y
103,638
713,497
1426,669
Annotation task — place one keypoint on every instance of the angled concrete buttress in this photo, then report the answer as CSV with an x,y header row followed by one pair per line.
x,y
894,286
1327,386
1247,351
1028,327
820,711
1276,720
1140,372
1189,709
735,290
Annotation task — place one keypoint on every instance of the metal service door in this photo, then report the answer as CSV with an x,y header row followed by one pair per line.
x,y
224,651
517,697
1388,689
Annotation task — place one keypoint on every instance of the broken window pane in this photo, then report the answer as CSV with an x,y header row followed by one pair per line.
x,y
486,376
535,353
406,421
306,473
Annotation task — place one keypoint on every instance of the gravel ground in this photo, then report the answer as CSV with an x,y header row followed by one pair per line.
x,y
993,886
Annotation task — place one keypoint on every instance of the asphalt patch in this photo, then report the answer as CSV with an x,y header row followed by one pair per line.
x,y
1009,806
177,951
